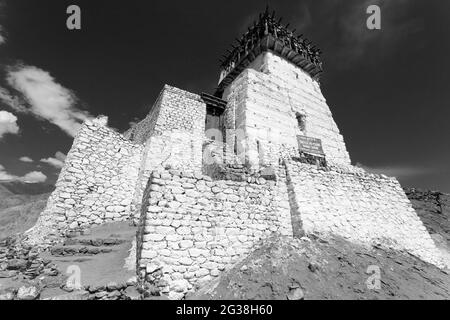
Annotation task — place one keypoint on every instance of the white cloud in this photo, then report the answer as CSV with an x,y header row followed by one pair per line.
x,y
8,123
34,177
397,171
30,177
47,99
4,176
26,159
54,162
57,161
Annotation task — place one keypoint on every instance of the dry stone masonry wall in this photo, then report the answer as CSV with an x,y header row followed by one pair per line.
x,y
192,227
172,135
362,207
105,172
95,186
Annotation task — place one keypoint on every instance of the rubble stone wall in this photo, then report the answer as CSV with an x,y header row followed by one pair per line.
x,y
105,172
361,207
96,185
192,227
264,101
172,133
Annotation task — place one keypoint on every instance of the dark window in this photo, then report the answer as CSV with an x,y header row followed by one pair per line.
x,y
301,121
213,120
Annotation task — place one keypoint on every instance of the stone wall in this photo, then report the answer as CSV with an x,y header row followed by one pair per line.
x,y
172,134
174,131
105,173
263,102
192,227
361,207
96,185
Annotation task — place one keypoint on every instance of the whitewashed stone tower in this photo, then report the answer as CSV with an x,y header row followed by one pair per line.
x,y
271,83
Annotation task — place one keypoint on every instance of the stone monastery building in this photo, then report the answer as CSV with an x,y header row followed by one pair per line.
x,y
205,177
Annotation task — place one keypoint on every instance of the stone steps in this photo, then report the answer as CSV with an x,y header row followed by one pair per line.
x,y
60,251
95,242
114,291
85,246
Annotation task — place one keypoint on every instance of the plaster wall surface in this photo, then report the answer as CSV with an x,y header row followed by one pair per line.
x,y
263,102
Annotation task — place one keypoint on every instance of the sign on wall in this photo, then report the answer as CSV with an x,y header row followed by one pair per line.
x,y
310,145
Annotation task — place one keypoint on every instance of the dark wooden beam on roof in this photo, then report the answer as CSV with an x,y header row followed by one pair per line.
x,y
213,101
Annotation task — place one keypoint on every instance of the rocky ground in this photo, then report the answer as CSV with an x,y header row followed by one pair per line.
x,y
92,265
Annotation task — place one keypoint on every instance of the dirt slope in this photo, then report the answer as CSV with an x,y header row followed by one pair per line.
x,y
282,268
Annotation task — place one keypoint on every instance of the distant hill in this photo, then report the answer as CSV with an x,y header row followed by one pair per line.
x,y
20,205
22,188
433,208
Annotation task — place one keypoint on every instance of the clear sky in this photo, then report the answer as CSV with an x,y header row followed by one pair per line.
x,y
388,89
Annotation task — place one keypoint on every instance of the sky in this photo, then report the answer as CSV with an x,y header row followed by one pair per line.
x,y
388,89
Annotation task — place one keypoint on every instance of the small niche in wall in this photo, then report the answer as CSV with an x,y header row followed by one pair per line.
x,y
301,121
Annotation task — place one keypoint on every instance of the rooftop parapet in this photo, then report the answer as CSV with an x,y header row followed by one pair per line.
x,y
268,34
